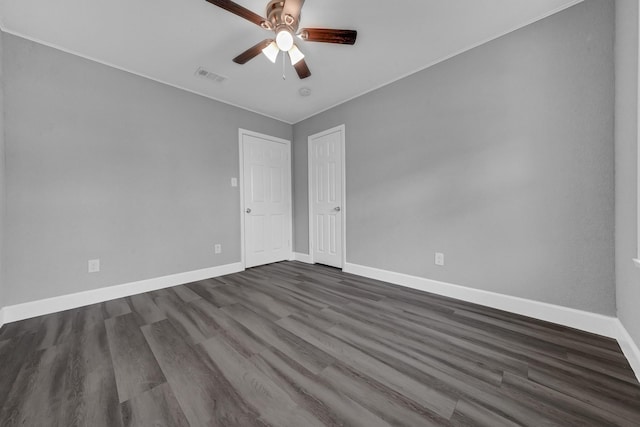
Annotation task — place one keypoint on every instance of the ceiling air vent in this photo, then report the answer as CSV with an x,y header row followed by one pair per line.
x,y
206,74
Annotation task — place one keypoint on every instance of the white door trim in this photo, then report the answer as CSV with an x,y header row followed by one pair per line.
x,y
340,128
241,133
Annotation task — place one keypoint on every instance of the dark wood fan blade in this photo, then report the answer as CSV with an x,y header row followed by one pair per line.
x,y
302,69
327,35
252,52
293,7
242,12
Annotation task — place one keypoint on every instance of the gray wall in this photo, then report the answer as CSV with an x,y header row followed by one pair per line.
x,y
105,164
501,157
626,163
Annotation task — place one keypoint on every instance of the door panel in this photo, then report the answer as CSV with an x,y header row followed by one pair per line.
x,y
326,207
257,183
275,181
267,200
319,240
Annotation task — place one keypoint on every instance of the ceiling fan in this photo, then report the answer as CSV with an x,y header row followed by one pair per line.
x,y
283,18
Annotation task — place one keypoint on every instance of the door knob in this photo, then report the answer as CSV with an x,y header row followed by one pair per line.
x,y
248,210
337,209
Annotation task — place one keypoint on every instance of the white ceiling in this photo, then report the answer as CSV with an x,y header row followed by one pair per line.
x,y
167,40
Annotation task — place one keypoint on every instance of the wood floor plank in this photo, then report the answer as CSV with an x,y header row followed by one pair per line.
x,y
68,384
435,372
36,394
472,414
192,324
499,350
136,369
585,393
86,318
212,293
273,404
157,407
296,295
185,293
594,363
563,405
441,356
145,310
420,392
569,342
565,369
55,329
614,389
90,394
291,344
204,394
15,353
433,342
244,341
116,307
261,302
388,404
97,408
314,393
15,329
294,302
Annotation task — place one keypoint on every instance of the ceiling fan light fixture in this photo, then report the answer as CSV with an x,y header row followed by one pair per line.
x,y
271,51
284,40
295,55
283,18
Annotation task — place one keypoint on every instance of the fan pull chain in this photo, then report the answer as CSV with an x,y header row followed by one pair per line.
x,y
284,59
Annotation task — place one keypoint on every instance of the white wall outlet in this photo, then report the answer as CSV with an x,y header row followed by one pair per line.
x,y
217,248
94,265
439,259
234,182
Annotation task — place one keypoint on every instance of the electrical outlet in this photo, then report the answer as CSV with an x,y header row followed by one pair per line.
x,y
439,259
94,265
218,248
234,182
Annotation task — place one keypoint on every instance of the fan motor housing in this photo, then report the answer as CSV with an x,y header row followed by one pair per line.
x,y
279,21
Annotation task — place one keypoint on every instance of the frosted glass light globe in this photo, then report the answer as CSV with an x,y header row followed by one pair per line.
x,y
295,55
284,40
271,52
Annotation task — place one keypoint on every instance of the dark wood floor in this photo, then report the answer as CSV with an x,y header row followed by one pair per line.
x,y
291,344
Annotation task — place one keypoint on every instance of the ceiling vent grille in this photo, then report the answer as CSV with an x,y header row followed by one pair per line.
x,y
206,74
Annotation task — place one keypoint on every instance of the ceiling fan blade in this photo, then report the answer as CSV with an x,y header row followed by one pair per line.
x,y
293,7
327,35
302,69
242,12
252,52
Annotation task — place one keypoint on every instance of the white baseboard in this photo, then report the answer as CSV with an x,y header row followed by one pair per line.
x,y
1,317
629,348
578,319
30,309
306,258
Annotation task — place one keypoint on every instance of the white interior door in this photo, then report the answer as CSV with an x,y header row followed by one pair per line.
x,y
326,206
266,192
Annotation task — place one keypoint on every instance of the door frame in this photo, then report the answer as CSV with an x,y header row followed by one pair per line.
x,y
343,207
287,143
